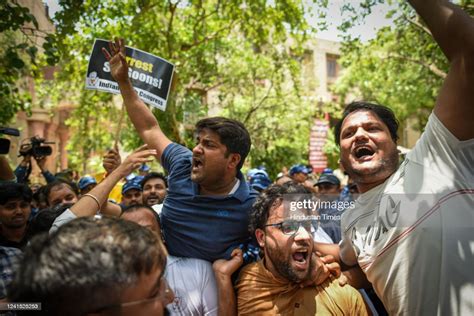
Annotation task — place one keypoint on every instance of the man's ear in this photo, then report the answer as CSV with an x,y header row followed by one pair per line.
x,y
234,160
260,235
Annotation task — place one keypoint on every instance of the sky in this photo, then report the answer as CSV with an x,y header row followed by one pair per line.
x,y
367,31
373,22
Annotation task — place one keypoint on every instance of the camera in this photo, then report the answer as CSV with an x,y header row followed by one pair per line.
x,y
35,148
5,143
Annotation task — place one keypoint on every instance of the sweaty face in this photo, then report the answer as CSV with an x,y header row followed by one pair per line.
x,y
14,213
210,159
132,197
286,256
143,217
300,177
328,188
368,153
154,191
149,295
61,194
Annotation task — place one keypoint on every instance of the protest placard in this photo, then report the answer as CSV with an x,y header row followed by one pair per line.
x,y
150,75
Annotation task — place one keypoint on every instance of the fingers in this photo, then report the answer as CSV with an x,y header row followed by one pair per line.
x,y
328,259
122,58
122,46
343,280
237,256
334,268
141,148
106,54
112,48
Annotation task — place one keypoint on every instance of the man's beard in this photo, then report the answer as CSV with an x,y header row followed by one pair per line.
x,y
282,264
387,166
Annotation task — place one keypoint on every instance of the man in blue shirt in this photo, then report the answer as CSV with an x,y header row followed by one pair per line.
x,y
205,214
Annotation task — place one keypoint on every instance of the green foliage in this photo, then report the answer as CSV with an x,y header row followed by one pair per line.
x,y
402,67
18,57
233,56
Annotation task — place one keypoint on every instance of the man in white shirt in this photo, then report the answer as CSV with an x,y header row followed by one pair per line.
x,y
411,231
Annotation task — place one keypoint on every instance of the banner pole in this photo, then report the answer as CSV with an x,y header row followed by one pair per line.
x,y
119,126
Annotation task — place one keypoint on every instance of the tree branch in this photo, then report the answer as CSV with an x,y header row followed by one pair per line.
x,y
256,107
172,9
415,21
433,68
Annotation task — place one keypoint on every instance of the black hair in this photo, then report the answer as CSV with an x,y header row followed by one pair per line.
x,y
60,183
10,191
89,259
271,198
384,113
153,175
232,134
44,219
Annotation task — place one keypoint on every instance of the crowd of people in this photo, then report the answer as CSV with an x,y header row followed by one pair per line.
x,y
202,238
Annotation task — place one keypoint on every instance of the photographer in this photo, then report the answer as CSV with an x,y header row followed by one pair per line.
x,y
34,148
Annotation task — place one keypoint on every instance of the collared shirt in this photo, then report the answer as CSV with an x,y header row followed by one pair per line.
x,y
9,259
4,242
259,292
201,226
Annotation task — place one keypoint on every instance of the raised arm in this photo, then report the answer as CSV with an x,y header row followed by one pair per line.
x,y
141,116
223,270
453,30
88,205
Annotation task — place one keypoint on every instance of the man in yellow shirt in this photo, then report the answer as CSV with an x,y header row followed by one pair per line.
x,y
283,220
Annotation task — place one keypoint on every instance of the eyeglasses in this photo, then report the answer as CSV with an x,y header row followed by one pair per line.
x,y
162,294
291,227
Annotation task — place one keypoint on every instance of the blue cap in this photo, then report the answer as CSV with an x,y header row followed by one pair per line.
x,y
135,183
299,168
144,167
327,171
328,178
85,181
260,180
251,172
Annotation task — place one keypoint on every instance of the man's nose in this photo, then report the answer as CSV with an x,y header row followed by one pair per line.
x,y
302,234
361,133
197,149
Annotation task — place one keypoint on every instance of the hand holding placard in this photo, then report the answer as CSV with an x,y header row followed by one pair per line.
x,y
112,64
117,61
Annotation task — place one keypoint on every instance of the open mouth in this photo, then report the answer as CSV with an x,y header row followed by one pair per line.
x,y
197,163
301,256
364,152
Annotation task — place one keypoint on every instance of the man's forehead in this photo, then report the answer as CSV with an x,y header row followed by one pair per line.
x,y
207,133
154,181
289,209
14,200
132,192
361,117
140,213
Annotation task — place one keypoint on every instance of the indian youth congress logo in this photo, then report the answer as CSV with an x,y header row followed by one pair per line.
x,y
92,79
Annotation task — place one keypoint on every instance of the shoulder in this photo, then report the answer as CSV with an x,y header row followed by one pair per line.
x,y
345,298
176,150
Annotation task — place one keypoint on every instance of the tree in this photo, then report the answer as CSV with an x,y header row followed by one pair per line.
x,y
19,58
233,54
402,67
